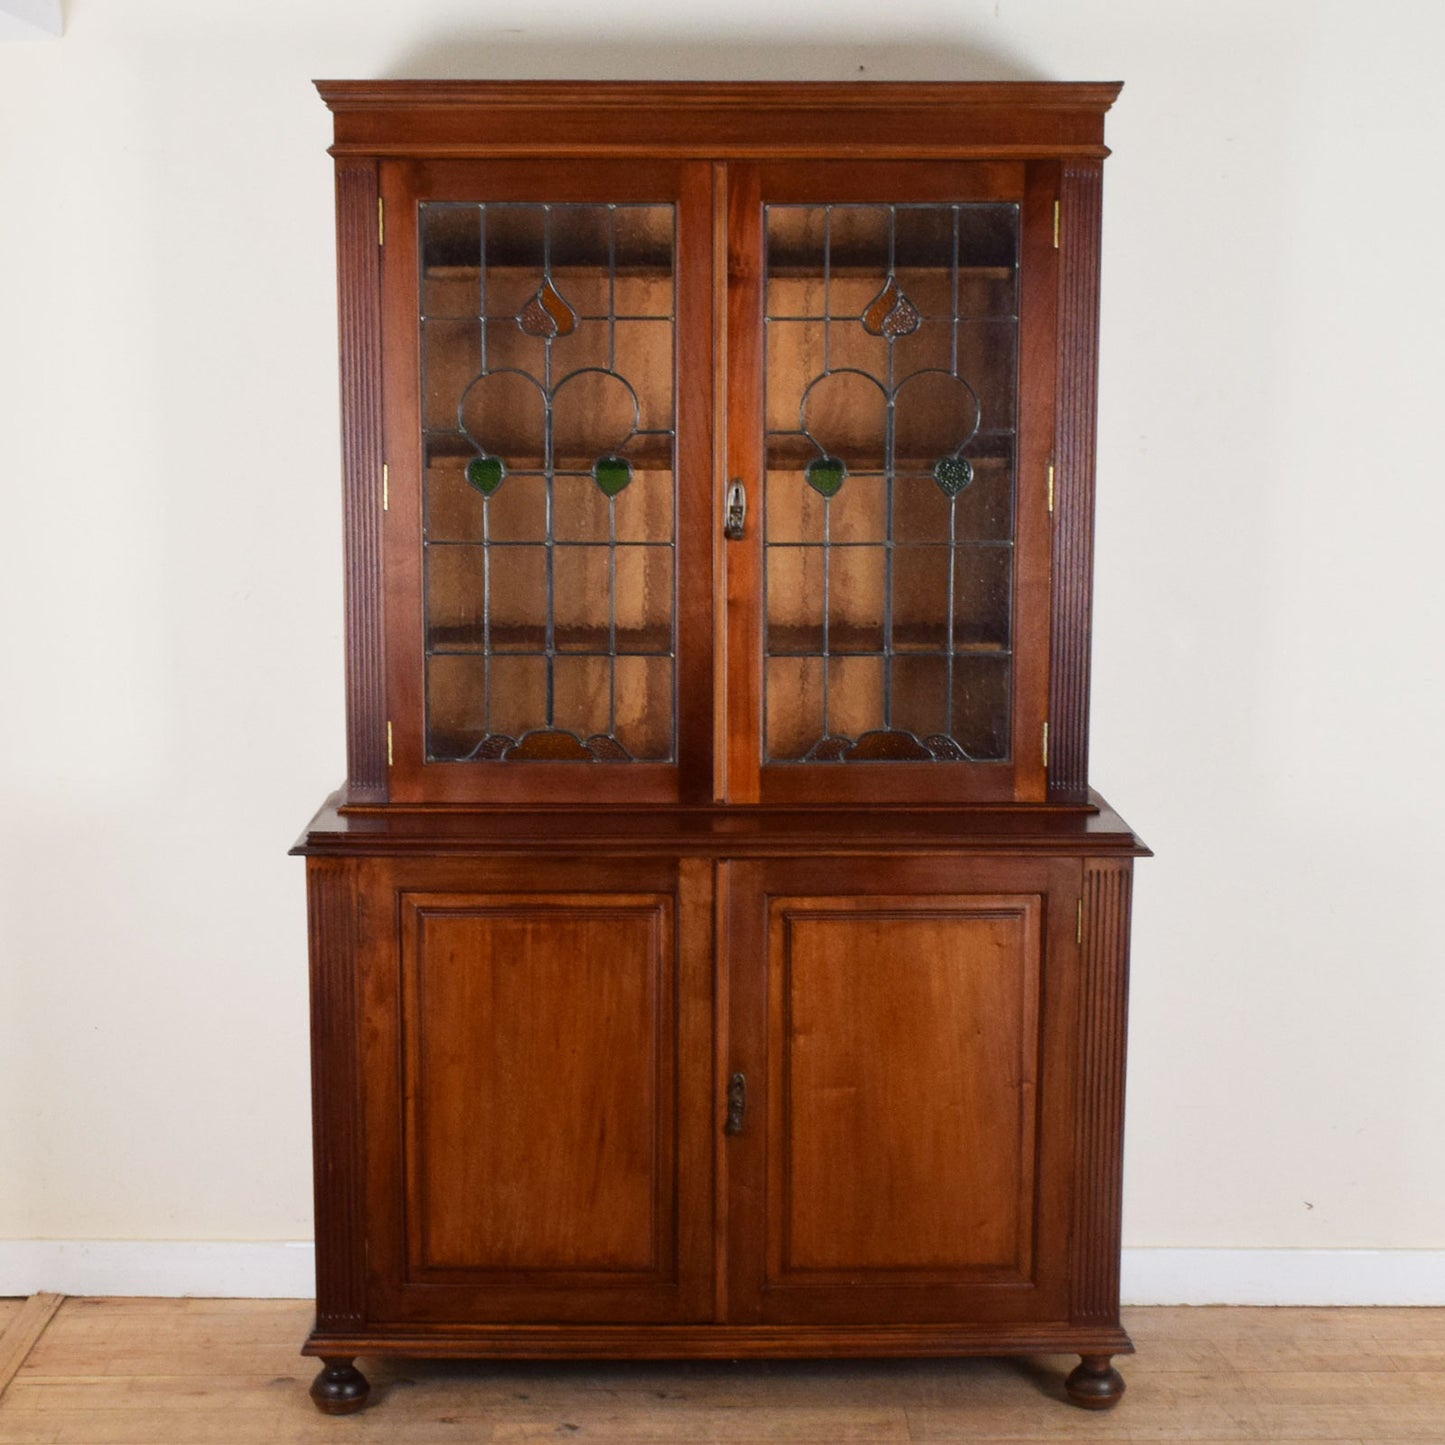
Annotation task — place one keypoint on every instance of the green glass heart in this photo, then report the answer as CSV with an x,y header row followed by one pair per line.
x,y
486,474
825,475
952,474
612,474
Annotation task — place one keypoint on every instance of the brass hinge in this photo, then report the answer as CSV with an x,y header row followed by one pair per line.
x,y
386,489
1046,744
1079,931
381,223
389,759
1051,487
1057,225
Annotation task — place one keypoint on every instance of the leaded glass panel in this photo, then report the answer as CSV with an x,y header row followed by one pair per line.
x,y
548,411
890,397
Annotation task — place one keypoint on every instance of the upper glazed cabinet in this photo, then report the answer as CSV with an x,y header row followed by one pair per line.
x,y
696,463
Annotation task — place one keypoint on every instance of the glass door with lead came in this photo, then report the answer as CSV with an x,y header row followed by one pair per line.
x,y
545,456
890,344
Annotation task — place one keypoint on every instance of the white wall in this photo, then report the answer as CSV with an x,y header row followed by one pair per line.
x,y
1268,600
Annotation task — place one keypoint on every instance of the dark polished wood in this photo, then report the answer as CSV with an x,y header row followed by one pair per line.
x,y
335,913
723,1341
413,779
729,831
1078,345
740,628
358,275
734,121
1099,1088
1032,187
1095,1384
712,1058
538,1090
890,1168
340,1388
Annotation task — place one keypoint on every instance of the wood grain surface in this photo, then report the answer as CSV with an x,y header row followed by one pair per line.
x,y
21,1330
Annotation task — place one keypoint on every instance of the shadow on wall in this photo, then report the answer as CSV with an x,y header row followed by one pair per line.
x,y
522,54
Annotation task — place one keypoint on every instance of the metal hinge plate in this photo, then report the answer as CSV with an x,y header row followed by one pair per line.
x,y
1058,226
386,489
381,223
389,758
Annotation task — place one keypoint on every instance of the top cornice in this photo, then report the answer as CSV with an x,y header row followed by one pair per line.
x,y
1095,96
718,119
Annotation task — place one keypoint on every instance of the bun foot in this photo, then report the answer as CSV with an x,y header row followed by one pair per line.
x,y
1095,1384
340,1388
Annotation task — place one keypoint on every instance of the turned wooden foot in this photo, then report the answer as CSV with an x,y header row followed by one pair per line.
x,y
340,1388
1095,1384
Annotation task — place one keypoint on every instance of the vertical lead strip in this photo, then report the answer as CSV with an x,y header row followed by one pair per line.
x,y
827,501
763,567
423,329
890,463
951,664
486,510
612,501
548,462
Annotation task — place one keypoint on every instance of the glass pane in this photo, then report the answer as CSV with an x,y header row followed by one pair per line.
x,y
456,693
549,427
795,706
891,383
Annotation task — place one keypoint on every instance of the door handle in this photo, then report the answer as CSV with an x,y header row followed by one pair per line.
x,y
737,1104
735,515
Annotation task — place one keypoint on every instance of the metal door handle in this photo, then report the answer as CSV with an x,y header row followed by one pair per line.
x,y
737,1104
736,515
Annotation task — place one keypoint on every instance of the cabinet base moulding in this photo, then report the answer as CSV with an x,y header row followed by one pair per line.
x,y
662,1342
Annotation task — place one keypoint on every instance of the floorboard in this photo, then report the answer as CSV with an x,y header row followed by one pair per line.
x,y
227,1372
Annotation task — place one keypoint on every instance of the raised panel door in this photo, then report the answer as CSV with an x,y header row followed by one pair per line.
x,y
540,1151
905,1062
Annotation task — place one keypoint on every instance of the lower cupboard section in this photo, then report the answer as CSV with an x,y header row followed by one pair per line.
x,y
611,1106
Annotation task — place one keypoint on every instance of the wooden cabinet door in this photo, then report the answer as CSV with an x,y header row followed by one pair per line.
x,y
537,1085
903,1032
547,536
892,355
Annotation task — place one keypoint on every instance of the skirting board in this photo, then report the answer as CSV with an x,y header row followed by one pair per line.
x,y
283,1270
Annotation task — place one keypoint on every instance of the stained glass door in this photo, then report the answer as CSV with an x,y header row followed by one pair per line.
x,y
900,481
543,513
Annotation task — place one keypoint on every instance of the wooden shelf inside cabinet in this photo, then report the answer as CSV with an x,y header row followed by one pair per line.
x,y
660,272
717,949
647,454
785,268
791,452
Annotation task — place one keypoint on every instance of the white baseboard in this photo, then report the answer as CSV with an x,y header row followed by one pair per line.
x,y
284,1270
205,1269
1284,1277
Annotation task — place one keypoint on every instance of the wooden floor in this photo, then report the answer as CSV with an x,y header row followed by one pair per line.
x,y
199,1371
